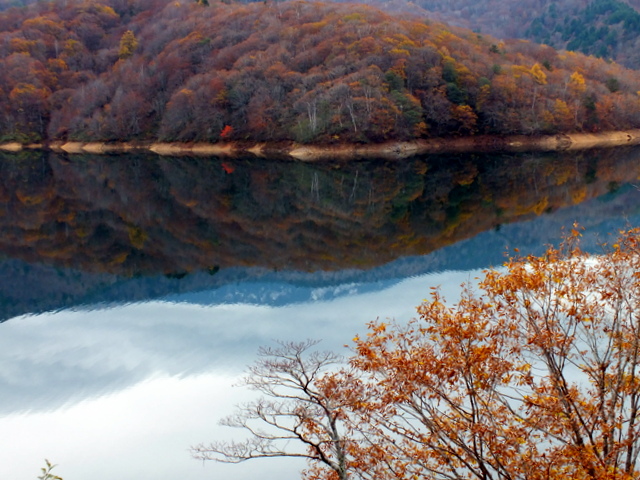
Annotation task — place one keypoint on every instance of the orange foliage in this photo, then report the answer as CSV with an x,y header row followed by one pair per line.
x,y
531,376
244,61
534,377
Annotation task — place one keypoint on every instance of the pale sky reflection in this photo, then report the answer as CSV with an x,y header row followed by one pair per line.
x,y
123,392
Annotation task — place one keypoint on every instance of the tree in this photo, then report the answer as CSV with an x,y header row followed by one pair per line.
x,y
46,472
30,106
534,378
298,405
466,118
128,45
226,132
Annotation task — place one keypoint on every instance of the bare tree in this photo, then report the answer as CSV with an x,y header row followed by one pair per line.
x,y
299,415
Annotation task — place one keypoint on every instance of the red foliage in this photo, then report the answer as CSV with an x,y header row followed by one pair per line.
x,y
226,132
227,167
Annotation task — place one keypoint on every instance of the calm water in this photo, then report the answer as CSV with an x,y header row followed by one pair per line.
x,y
134,290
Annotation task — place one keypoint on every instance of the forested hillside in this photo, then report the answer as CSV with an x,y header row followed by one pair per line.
x,y
310,72
604,28
4,4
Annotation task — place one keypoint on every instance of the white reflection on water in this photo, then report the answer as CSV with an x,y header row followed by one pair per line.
x,y
123,392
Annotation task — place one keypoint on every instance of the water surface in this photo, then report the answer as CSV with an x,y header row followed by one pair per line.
x,y
134,290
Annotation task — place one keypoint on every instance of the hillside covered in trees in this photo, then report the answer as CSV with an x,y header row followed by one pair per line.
x,y
604,28
117,70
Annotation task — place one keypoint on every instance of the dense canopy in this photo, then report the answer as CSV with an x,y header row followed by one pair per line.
x,y
117,70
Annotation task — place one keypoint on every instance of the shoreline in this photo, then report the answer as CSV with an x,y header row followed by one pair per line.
x,y
315,152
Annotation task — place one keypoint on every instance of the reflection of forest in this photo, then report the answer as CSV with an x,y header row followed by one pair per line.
x,y
142,215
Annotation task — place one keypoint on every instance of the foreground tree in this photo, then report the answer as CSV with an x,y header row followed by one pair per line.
x,y
533,375
298,416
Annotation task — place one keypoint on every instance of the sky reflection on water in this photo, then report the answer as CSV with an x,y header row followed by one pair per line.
x,y
123,392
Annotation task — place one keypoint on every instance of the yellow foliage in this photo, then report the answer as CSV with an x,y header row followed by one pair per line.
x,y
466,175
354,18
313,27
137,237
81,231
562,113
418,29
538,208
57,65
483,96
128,45
34,236
578,195
538,75
221,97
404,41
577,83
420,129
72,47
520,70
43,24
119,259
399,52
29,200
365,46
467,118
21,45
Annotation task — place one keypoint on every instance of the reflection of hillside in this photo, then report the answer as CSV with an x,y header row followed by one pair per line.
x,y
141,215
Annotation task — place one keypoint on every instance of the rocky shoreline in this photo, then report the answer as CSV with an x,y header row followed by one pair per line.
x,y
315,152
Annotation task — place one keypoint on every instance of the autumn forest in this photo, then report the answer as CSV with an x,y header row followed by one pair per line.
x,y
121,70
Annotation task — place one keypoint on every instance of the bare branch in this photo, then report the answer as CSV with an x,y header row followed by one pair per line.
x,y
300,414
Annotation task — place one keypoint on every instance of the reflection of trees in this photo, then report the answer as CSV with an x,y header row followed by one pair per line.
x,y
130,215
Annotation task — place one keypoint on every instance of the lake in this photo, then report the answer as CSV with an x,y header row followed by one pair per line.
x,y
135,289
